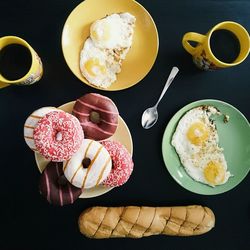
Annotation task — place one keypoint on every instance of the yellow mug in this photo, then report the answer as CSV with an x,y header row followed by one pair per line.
x,y
36,70
203,56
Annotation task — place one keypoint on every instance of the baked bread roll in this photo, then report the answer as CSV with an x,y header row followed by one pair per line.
x,y
137,222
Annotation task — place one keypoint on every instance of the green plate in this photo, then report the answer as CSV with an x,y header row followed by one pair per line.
x,y
234,137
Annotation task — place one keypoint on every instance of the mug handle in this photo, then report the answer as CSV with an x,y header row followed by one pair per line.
x,y
192,36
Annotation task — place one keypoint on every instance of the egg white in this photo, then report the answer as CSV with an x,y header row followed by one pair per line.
x,y
112,67
195,158
114,31
109,42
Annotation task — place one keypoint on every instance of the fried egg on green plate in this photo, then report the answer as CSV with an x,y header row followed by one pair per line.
x,y
196,142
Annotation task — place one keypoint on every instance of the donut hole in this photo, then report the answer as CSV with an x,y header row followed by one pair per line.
x,y
62,181
95,117
86,162
59,136
112,162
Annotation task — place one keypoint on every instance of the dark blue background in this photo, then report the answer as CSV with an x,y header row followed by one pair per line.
x,y
27,220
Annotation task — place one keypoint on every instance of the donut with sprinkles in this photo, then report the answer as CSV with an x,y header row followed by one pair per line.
x,y
98,116
31,123
55,187
58,135
89,166
122,164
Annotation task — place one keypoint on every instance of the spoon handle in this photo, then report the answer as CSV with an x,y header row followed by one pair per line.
x,y
171,77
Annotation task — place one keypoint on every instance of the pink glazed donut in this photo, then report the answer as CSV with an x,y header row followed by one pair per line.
x,y
122,164
58,135
98,116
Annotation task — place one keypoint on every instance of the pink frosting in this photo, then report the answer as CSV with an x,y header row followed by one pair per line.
x,y
122,164
58,135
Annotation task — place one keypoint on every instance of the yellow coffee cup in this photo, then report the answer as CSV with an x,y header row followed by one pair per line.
x,y
36,69
204,58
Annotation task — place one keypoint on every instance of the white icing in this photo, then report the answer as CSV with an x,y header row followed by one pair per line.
x,y
31,123
97,166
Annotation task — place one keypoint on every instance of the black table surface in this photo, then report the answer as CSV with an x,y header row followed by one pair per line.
x,y
27,220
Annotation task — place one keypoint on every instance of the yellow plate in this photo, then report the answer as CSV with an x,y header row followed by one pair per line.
x,y
140,57
122,135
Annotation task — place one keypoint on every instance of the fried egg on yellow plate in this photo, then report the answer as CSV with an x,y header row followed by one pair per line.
x,y
114,31
97,66
109,42
196,141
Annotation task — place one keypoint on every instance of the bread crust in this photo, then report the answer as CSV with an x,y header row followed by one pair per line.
x,y
137,222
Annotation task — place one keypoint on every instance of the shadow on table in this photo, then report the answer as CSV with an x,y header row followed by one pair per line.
x,y
183,61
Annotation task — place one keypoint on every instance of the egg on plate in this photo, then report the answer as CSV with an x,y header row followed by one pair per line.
x,y
113,32
109,42
196,142
97,66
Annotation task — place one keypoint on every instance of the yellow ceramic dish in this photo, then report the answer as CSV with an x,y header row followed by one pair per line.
x,y
142,54
122,135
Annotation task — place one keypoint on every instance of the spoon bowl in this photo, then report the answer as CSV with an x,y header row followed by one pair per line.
x,y
149,117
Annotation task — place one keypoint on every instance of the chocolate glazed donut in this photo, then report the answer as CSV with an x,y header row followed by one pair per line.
x,y
98,116
55,187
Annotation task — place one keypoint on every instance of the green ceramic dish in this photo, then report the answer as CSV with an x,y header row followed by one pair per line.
x,y
234,137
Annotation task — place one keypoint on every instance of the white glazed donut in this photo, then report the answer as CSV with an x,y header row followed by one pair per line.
x,y
89,166
31,123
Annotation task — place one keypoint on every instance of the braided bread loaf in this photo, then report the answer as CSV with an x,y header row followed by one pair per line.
x,y
136,222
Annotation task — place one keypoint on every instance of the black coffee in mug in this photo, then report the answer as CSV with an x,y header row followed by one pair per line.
x,y
224,45
15,61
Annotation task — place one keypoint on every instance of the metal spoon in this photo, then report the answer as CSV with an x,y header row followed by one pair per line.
x,y
150,115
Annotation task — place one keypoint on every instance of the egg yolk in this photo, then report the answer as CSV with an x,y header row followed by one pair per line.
x,y
197,133
214,173
101,35
94,67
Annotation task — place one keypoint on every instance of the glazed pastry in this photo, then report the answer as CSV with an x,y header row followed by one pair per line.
x,y
58,135
89,166
122,164
55,187
31,123
137,222
98,116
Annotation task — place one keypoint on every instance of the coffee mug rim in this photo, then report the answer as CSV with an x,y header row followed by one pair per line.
x,y
28,46
216,28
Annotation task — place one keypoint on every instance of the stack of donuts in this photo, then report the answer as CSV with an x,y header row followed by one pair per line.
x,y
78,147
